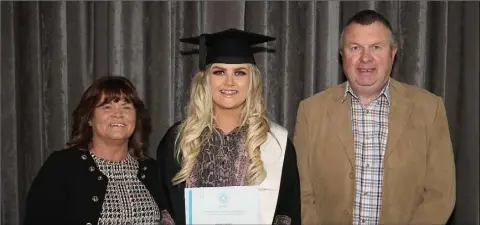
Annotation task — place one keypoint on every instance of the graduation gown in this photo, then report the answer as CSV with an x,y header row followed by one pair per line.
x,y
279,192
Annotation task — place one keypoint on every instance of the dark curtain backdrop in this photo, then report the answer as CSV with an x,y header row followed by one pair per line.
x,y
51,51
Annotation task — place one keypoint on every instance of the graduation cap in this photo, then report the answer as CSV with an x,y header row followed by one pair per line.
x,y
230,46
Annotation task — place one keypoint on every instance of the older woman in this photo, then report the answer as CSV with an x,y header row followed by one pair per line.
x,y
104,176
226,139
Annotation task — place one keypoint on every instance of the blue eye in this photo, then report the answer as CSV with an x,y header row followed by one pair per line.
x,y
240,73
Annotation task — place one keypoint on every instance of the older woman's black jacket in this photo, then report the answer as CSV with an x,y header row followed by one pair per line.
x,y
69,189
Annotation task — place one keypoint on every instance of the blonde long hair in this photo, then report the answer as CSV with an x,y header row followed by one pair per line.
x,y
200,119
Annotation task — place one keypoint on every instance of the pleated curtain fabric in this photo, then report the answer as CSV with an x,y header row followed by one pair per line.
x,y
51,51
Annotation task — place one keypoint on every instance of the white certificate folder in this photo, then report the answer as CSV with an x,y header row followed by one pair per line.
x,y
222,205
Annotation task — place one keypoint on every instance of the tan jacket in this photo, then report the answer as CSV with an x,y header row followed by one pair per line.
x,y
419,171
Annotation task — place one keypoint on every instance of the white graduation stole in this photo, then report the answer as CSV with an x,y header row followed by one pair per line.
x,y
272,155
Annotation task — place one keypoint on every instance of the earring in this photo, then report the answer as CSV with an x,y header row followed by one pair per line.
x,y
89,123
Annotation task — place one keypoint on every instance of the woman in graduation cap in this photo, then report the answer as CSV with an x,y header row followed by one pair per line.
x,y
226,138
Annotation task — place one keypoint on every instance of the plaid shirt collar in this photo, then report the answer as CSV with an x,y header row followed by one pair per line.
x,y
385,92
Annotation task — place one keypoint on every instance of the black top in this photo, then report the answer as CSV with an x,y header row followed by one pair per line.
x,y
230,46
289,194
70,189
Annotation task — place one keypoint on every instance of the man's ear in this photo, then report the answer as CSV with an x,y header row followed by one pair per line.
x,y
394,52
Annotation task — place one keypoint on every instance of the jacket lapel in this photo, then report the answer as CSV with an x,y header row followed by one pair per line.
x,y
339,114
400,110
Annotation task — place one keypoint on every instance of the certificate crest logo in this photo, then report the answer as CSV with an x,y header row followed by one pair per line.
x,y
223,198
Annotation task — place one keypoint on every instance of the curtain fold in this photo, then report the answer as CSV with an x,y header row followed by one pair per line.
x,y
51,51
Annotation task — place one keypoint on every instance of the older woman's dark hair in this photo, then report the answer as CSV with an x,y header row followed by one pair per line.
x,y
107,89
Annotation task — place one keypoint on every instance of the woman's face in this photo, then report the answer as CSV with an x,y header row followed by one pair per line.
x,y
113,121
229,85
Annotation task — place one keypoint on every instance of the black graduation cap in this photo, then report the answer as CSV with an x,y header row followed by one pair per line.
x,y
231,46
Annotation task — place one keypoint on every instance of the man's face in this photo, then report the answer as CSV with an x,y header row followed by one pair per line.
x,y
367,55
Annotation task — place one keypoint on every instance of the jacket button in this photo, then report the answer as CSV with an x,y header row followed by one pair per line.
x,y
84,157
345,212
351,175
100,178
95,198
143,176
144,168
91,168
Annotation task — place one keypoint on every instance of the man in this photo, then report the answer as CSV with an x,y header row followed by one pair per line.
x,y
374,150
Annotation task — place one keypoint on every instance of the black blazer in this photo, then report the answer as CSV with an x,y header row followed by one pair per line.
x,y
174,198
70,189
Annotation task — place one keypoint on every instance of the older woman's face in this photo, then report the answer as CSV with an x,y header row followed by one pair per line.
x,y
114,121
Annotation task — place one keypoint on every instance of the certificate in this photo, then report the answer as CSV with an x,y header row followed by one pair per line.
x,y
222,205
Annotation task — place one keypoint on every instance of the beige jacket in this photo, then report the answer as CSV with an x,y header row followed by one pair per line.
x,y
419,174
